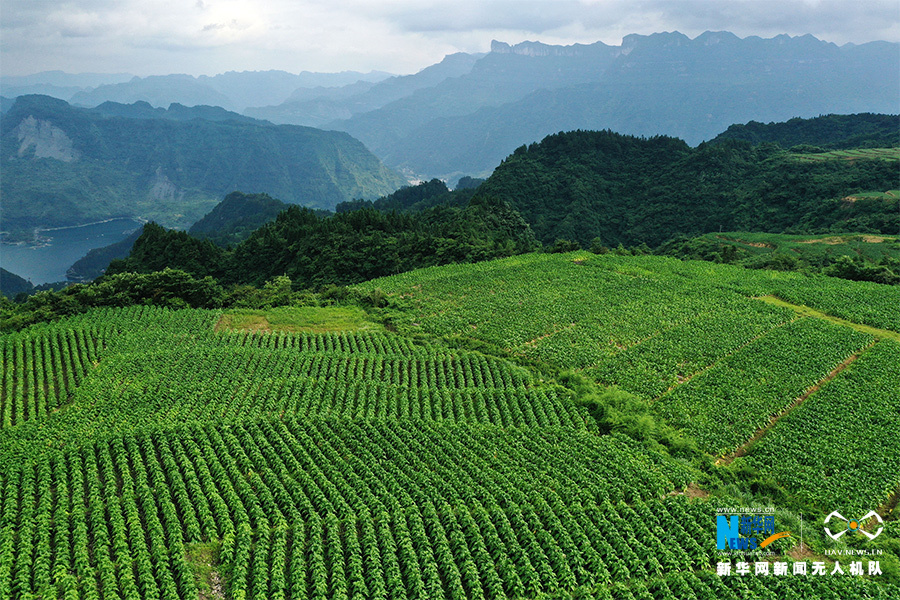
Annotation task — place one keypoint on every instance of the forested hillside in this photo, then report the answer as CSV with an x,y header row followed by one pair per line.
x,y
236,217
346,248
623,189
832,132
68,166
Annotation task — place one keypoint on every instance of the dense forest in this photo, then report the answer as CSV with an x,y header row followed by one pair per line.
x,y
623,189
833,132
346,248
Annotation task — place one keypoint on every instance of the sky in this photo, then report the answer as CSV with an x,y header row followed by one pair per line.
x,y
157,37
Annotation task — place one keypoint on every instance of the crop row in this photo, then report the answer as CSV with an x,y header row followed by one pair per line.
x,y
331,343
460,553
152,375
577,310
840,447
650,368
40,371
522,510
724,405
705,585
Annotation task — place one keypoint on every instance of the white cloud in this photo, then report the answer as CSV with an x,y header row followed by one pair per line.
x,y
211,36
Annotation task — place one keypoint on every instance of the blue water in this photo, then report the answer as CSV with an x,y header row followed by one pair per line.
x,y
47,264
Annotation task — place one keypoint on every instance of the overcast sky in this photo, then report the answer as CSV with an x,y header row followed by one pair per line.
x,y
155,37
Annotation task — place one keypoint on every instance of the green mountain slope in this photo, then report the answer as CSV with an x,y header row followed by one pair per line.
x,y
345,248
66,165
236,217
580,185
832,132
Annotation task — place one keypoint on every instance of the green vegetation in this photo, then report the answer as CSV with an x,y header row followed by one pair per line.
x,y
887,154
312,319
160,453
811,312
236,217
689,340
210,422
627,190
346,248
723,405
839,449
11,285
829,132
858,257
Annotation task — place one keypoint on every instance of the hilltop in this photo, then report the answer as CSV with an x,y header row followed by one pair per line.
x,y
628,190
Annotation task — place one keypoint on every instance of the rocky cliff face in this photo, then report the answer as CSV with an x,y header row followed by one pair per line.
x,y
538,49
47,140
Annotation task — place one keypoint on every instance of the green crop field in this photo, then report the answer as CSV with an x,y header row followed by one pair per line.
x,y
815,248
855,154
317,454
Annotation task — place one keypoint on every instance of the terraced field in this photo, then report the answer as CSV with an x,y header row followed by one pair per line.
x,y
148,453
691,339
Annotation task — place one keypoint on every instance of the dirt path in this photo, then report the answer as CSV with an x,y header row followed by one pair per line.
x,y
745,447
811,312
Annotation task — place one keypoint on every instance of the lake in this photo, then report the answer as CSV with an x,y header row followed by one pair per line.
x,y
48,263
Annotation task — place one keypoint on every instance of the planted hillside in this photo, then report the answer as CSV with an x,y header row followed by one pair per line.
x,y
310,452
622,189
192,456
348,247
695,344
856,257
68,166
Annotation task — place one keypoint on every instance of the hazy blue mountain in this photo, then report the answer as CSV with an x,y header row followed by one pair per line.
x,y
64,165
664,83
11,284
175,112
158,90
232,90
57,83
322,105
504,75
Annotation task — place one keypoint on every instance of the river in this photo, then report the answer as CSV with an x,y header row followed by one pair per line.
x,y
47,263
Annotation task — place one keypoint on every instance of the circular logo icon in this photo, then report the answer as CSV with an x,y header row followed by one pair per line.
x,y
855,525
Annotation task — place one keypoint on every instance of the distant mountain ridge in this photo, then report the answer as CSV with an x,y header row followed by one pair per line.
x,y
232,90
64,165
660,84
318,107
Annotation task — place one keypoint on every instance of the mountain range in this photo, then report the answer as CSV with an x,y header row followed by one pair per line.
x,y
463,115
232,90
64,165
663,84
